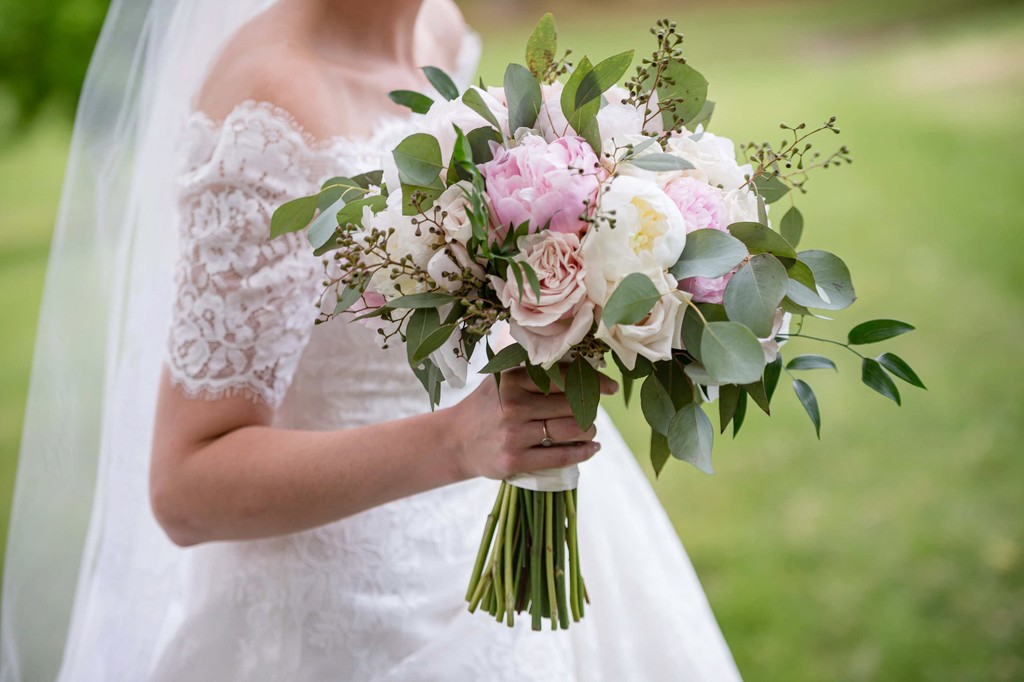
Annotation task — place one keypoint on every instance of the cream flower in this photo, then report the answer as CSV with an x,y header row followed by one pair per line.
x,y
713,158
658,333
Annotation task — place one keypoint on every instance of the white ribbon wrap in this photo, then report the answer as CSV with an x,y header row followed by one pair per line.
x,y
547,480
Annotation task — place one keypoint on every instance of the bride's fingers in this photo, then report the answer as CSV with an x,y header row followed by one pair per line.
x,y
563,430
535,406
522,380
556,456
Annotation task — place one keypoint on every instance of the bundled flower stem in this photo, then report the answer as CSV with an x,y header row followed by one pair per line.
x,y
529,559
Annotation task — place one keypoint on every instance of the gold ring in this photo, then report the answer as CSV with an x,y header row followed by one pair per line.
x,y
546,442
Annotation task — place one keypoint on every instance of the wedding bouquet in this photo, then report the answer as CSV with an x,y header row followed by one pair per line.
x,y
598,221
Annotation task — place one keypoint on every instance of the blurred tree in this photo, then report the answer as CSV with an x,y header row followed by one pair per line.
x,y
44,52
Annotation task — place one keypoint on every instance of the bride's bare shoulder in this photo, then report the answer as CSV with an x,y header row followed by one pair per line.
x,y
277,71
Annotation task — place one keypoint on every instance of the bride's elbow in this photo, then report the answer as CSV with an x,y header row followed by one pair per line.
x,y
172,513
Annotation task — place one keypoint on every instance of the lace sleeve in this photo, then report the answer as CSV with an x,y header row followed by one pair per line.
x,y
244,305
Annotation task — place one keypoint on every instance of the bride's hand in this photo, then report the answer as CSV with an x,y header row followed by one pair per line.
x,y
498,432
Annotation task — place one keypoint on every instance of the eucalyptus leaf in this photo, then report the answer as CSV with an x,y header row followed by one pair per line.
x,y
480,140
508,357
292,216
425,300
830,275
442,82
683,83
659,162
703,116
604,75
771,188
691,332
810,403
656,404
792,226
762,239
741,413
418,158
433,341
416,101
728,401
672,376
349,296
541,379
583,119
659,452
875,377
800,272
709,253
811,362
322,229
473,99
772,371
632,300
422,323
542,46
874,331
430,376
731,353
691,437
899,368
757,391
754,293
583,391
522,92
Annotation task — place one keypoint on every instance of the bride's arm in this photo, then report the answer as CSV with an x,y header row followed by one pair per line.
x,y
220,472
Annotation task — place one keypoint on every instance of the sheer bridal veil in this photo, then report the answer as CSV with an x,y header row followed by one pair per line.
x,y
81,494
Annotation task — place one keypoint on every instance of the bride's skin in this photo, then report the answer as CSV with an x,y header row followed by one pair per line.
x,y
219,470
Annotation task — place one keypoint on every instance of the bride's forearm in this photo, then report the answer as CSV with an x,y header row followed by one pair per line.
x,y
260,481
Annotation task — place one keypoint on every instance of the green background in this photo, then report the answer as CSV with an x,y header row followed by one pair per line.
x,y
893,549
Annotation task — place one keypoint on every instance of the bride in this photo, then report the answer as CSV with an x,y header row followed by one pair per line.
x,y
306,517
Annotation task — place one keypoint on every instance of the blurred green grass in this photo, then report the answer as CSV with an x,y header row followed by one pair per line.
x,y
893,549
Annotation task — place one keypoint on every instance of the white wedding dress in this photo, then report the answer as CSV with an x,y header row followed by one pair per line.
x,y
378,596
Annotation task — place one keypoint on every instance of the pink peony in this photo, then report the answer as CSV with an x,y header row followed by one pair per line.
x,y
702,207
563,315
543,183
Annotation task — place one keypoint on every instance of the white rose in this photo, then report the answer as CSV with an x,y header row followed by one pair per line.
x,y
739,206
451,209
713,157
649,234
449,262
658,333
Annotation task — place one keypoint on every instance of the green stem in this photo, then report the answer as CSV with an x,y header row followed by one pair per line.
x,y
536,559
559,539
495,567
549,555
485,544
509,552
818,338
478,593
574,559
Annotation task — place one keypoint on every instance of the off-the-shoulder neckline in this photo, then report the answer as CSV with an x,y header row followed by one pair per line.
x,y
468,55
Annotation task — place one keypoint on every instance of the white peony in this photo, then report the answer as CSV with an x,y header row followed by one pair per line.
x,y
739,206
616,120
658,333
649,234
408,239
713,158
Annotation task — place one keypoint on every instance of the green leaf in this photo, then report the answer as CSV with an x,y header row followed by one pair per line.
x,y
728,401
672,376
658,162
522,92
810,403
899,368
426,300
430,343
709,253
756,391
292,216
800,272
659,452
627,389
418,158
741,413
874,376
692,331
771,188
583,391
480,142
754,293
585,117
540,377
762,239
430,376
641,368
442,82
324,226
691,436
811,362
792,226
687,85
731,353
831,276
703,116
349,296
656,404
542,46
472,99
532,279
874,331
772,371
631,301
422,323
507,358
603,76
417,101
